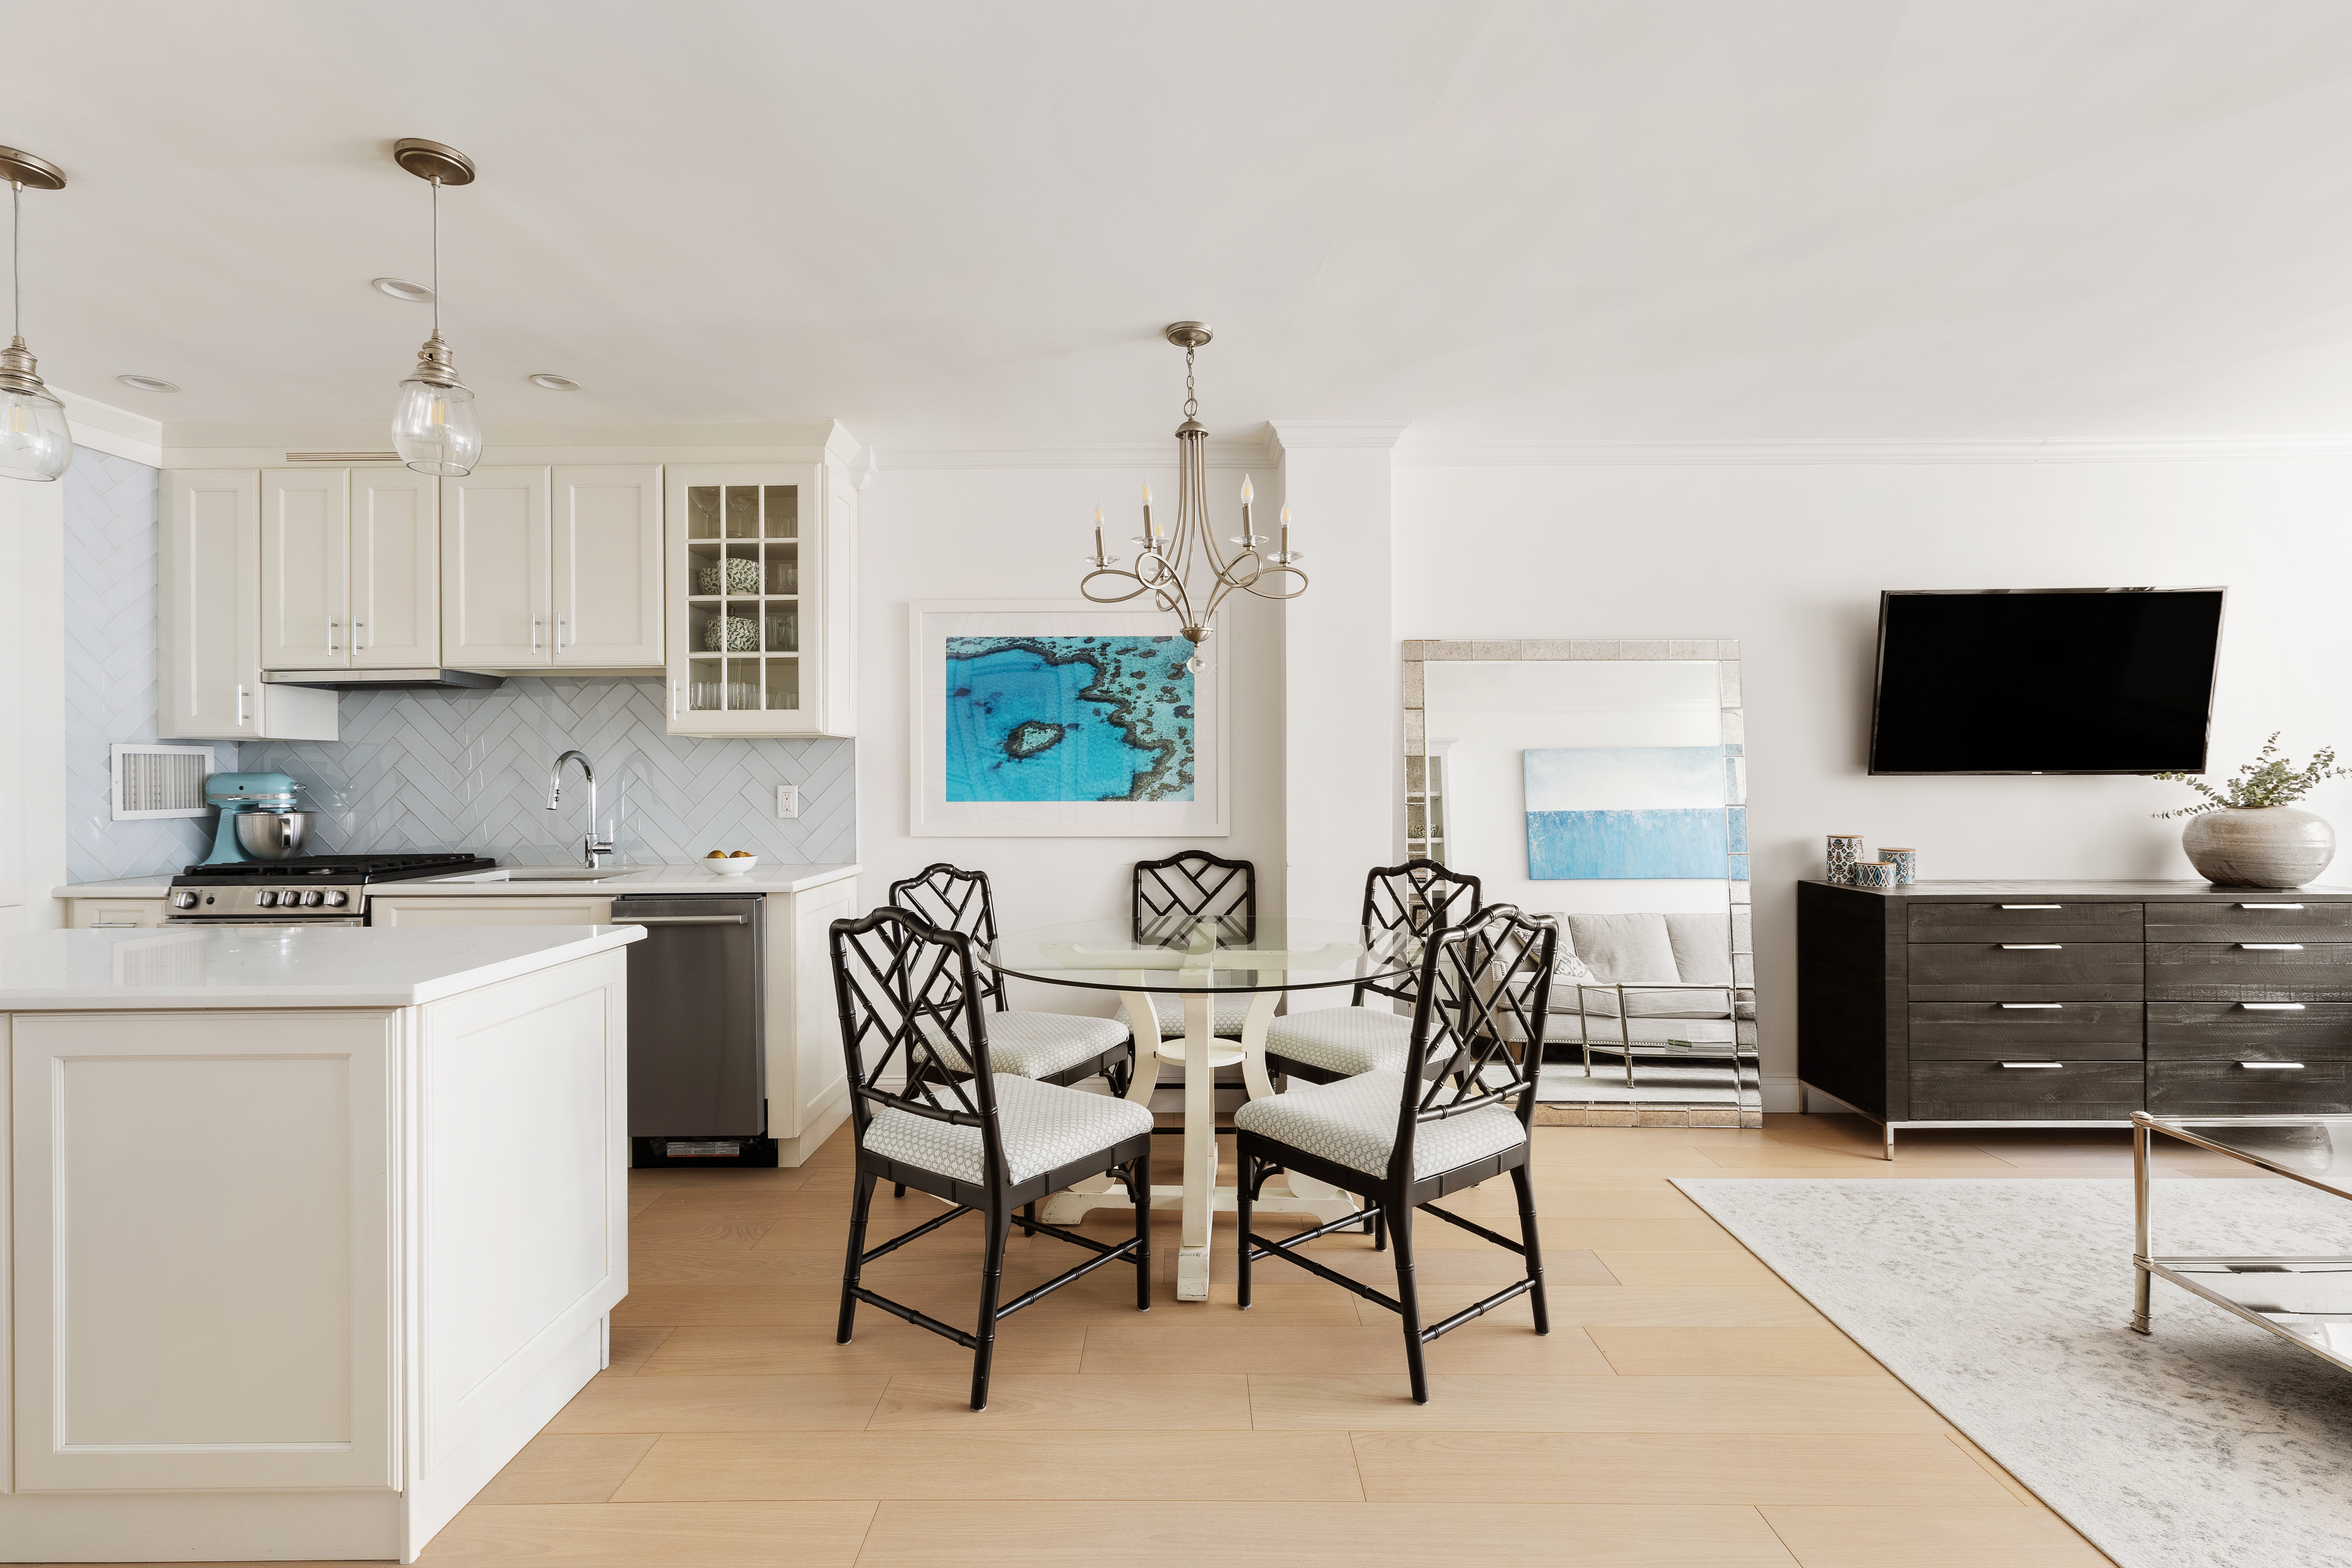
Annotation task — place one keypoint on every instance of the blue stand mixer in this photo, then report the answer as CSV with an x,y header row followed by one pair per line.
x,y
258,820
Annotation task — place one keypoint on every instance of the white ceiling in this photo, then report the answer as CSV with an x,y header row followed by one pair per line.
x,y
954,225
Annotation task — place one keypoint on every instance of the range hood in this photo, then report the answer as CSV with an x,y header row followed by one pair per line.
x,y
416,679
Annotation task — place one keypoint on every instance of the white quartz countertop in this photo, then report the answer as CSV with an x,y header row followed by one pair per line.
x,y
768,877
278,966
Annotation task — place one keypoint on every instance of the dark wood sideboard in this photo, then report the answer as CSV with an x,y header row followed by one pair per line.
x,y
2074,1004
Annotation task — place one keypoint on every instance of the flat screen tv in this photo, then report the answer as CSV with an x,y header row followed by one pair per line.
x,y
2045,680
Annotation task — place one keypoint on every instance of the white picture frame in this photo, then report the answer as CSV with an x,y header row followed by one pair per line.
x,y
931,814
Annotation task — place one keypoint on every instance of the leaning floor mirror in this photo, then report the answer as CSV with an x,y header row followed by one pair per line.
x,y
1606,783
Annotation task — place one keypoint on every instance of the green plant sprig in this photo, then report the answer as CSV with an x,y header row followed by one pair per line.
x,y
2268,780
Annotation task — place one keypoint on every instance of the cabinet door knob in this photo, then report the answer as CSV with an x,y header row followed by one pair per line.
x,y
2034,905
2272,1066
2032,946
2272,946
2270,906
2272,1006
2033,1064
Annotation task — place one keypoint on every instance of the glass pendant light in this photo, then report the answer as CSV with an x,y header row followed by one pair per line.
x,y
434,428
34,441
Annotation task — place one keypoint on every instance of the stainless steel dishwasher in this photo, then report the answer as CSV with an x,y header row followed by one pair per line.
x,y
697,1029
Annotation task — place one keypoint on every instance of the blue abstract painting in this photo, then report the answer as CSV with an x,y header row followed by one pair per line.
x,y
1068,719
1628,812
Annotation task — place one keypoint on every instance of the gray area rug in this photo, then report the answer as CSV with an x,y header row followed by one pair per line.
x,y
2003,1304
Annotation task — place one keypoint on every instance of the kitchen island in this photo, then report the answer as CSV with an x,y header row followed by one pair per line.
x,y
808,1086
306,1232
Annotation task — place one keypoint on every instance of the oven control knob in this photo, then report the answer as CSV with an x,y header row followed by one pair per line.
x,y
183,900
265,899
337,897
313,898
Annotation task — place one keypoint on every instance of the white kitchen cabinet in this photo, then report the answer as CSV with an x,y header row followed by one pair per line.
x,y
396,570
208,618
348,574
548,567
305,527
606,560
494,568
761,599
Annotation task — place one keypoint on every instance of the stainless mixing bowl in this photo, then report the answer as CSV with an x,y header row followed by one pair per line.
x,y
274,835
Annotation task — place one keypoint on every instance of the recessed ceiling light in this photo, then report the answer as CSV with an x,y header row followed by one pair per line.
x,y
147,382
402,288
554,383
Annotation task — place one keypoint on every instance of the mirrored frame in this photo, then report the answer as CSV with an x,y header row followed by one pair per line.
x,y
1600,1080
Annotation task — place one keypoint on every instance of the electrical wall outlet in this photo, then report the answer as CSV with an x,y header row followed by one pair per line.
x,y
788,800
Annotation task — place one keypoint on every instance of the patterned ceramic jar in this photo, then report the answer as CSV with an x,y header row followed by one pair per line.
x,y
1906,863
731,634
1874,874
1845,849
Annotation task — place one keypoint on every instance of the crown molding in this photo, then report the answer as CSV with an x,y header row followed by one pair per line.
x,y
116,432
1863,454
1156,455
1299,434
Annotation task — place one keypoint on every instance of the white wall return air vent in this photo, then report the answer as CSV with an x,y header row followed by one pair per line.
x,y
160,780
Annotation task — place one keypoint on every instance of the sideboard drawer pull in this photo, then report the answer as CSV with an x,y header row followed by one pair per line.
x,y
2272,1006
2272,1066
2270,906
2272,946
2032,946
2034,905
2033,1064
2031,1006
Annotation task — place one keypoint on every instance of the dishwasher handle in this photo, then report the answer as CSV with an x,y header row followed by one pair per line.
x,y
680,920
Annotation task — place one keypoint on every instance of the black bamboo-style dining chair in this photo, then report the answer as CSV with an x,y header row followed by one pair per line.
x,y
1049,1047
1172,896
988,1144
1331,1043
1459,1113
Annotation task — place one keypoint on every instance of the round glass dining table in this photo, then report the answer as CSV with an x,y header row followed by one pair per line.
x,y
1207,964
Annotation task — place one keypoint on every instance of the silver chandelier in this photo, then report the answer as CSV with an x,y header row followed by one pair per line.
x,y
1182,569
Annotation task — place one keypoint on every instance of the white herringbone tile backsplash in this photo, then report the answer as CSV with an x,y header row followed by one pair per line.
x,y
109,670
468,770
418,770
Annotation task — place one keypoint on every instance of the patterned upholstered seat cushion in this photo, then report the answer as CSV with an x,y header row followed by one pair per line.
x,y
1347,1040
1226,1015
1045,1127
1035,1045
1353,1122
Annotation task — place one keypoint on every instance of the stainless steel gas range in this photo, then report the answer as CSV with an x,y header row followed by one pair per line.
x,y
307,891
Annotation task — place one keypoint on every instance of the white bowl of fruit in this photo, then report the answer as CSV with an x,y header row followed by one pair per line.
x,y
726,863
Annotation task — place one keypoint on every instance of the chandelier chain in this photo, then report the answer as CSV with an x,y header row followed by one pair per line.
x,y
1191,404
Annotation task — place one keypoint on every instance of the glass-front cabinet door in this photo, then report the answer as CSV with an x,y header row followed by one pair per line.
x,y
745,609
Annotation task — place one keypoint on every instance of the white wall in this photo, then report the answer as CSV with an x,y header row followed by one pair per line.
x,y
1790,560
997,533
32,703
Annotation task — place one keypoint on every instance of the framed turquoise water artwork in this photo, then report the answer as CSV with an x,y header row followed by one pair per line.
x,y
1061,719
1630,813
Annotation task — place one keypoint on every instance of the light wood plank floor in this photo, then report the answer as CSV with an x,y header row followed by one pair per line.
x,y
1687,1409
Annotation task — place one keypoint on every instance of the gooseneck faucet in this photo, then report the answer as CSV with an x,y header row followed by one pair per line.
x,y
592,849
